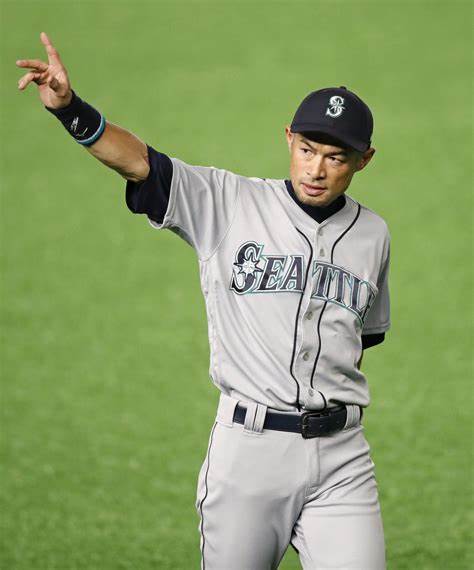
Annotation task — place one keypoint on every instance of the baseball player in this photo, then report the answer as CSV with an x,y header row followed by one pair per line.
x,y
295,278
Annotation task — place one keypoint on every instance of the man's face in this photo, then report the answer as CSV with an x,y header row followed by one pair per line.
x,y
321,171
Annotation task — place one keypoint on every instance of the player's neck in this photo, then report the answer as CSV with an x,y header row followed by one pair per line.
x,y
318,213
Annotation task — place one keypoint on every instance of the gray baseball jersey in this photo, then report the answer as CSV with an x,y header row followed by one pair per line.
x,y
287,298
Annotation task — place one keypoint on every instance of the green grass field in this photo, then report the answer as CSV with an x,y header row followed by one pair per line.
x,y
106,401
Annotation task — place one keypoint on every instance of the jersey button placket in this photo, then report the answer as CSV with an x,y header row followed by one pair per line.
x,y
319,246
314,399
307,347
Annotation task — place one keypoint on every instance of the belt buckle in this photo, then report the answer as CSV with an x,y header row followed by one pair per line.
x,y
306,422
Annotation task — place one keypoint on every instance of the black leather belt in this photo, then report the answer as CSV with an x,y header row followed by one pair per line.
x,y
308,424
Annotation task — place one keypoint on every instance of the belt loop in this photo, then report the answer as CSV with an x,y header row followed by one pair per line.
x,y
255,417
353,416
225,409
250,416
260,418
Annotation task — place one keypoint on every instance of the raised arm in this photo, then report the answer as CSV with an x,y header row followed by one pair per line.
x,y
115,147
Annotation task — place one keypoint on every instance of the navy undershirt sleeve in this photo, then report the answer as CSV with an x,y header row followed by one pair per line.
x,y
369,340
151,196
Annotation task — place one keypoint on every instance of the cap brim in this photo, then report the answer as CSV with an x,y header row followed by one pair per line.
x,y
314,129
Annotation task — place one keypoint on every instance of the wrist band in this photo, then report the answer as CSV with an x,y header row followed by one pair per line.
x,y
81,120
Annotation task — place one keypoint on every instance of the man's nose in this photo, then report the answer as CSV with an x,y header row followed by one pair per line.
x,y
316,168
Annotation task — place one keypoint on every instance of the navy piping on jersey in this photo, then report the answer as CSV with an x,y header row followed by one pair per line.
x,y
324,398
344,233
205,495
326,302
320,342
296,321
294,547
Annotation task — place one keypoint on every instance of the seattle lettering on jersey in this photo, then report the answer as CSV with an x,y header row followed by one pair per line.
x,y
256,272
337,285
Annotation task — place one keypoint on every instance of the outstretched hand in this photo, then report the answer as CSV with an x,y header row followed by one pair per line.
x,y
51,78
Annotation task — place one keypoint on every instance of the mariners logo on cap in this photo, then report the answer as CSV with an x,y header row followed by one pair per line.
x,y
336,106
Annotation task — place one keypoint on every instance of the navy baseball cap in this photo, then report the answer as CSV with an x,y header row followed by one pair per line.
x,y
337,112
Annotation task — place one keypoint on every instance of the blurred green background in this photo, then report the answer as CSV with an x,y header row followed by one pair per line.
x,y
106,401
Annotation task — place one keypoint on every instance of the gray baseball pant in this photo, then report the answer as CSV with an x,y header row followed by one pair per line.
x,y
260,490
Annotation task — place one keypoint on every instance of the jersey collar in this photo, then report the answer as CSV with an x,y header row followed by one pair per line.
x,y
318,213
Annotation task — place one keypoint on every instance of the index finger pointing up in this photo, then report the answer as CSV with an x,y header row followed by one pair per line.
x,y
53,55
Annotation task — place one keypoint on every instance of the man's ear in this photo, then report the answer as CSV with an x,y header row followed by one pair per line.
x,y
289,136
364,158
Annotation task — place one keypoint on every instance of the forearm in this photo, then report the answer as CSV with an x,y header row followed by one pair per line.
x,y
113,146
122,151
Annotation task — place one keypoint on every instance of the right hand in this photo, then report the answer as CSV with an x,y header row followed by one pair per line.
x,y
51,78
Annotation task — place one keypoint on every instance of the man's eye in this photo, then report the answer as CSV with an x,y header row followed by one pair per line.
x,y
334,159
305,150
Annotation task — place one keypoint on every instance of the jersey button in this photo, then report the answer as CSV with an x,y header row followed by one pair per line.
x,y
322,253
309,315
311,392
306,356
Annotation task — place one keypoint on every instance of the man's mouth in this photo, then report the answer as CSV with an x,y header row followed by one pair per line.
x,y
312,190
